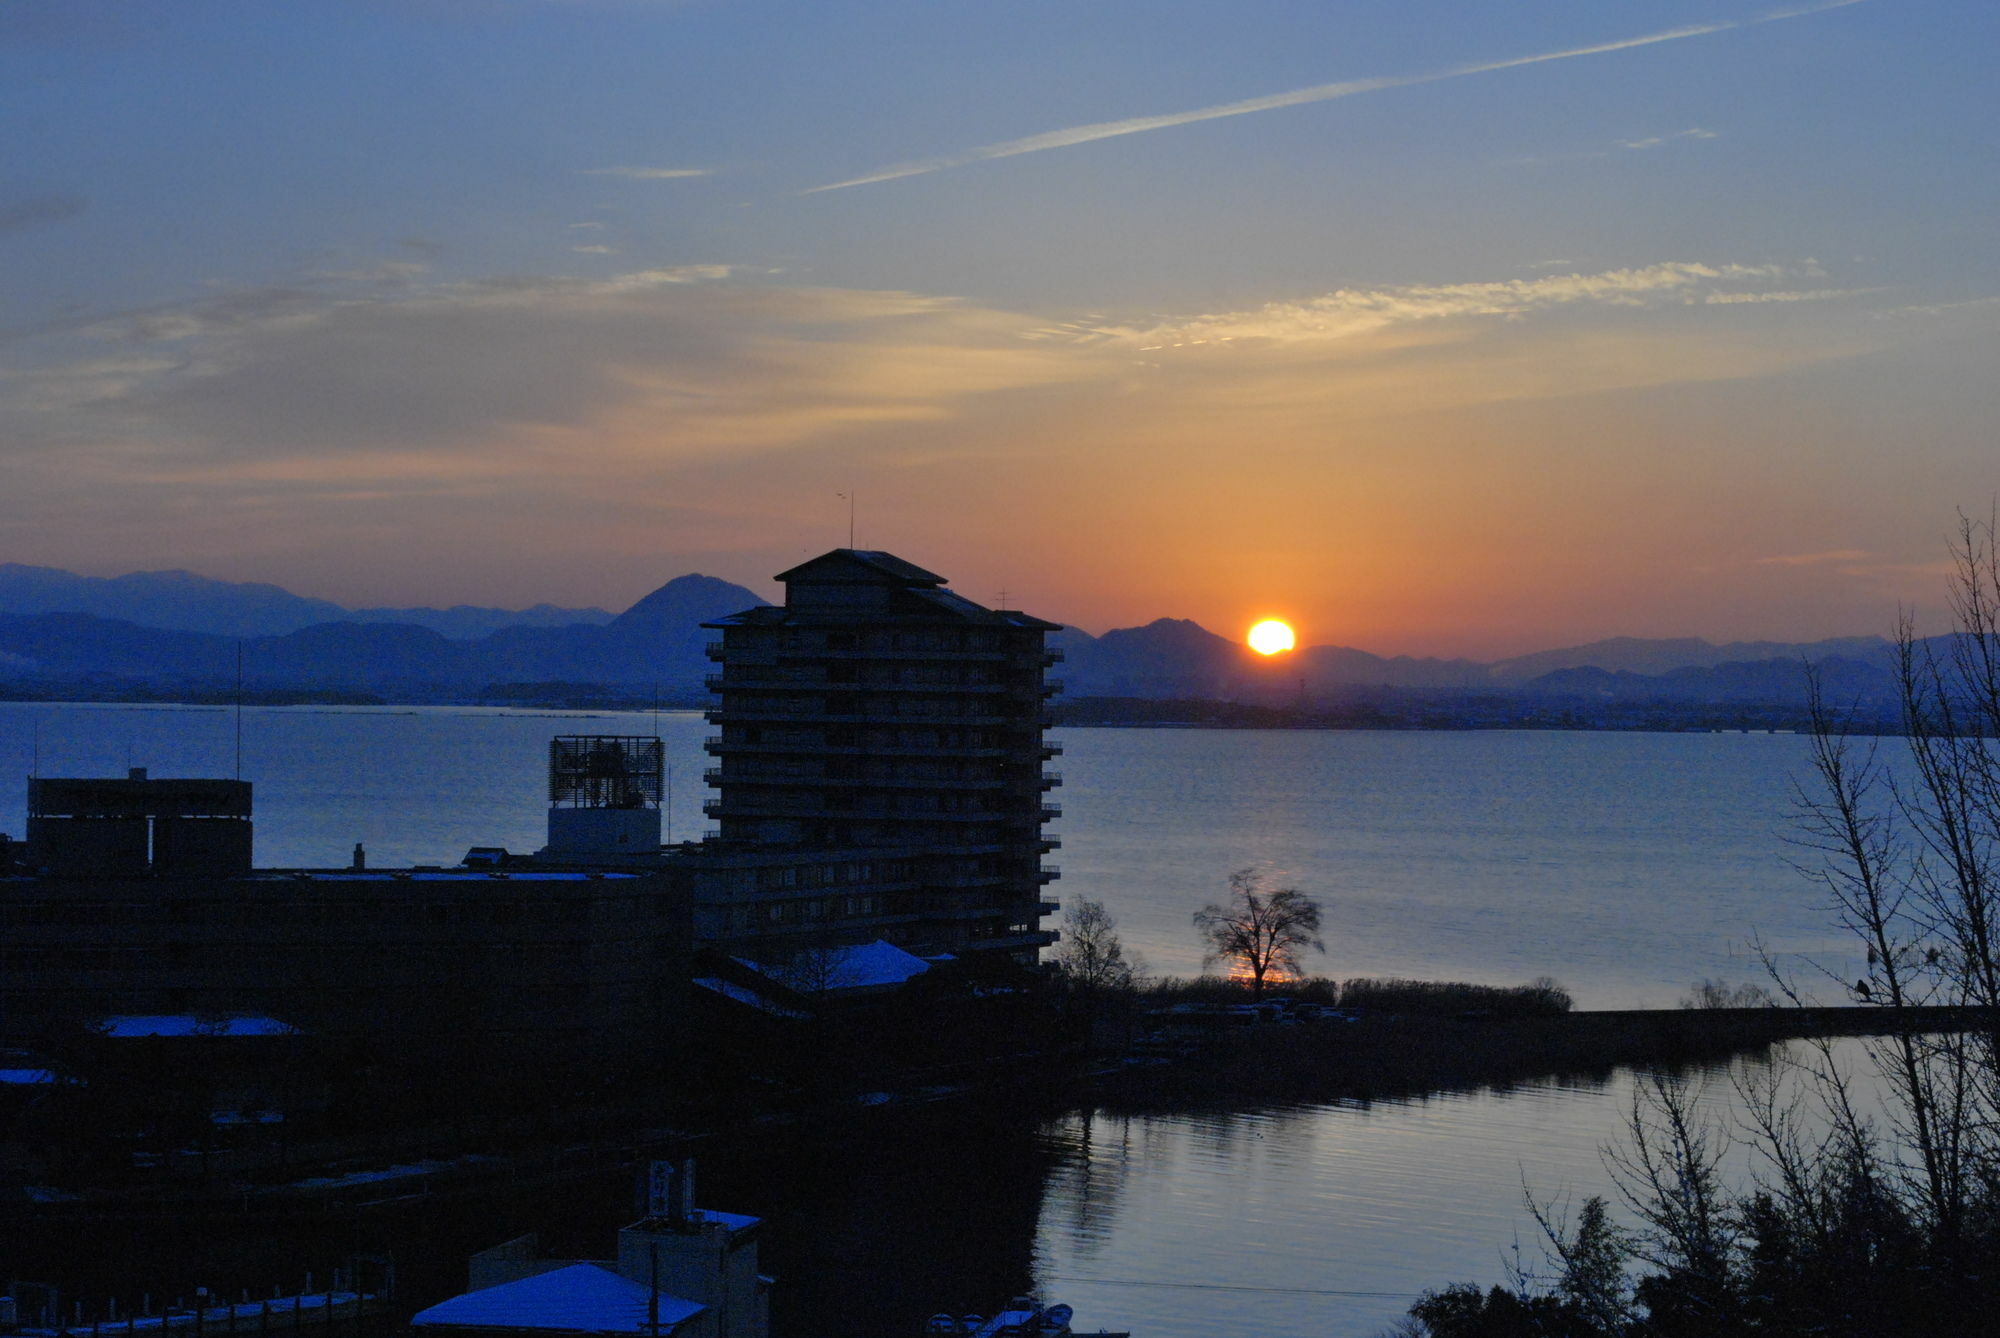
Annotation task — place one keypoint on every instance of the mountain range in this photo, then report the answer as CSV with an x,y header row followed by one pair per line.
x,y
176,631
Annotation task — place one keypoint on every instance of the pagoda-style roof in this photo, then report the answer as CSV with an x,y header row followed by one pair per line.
x,y
913,595
860,566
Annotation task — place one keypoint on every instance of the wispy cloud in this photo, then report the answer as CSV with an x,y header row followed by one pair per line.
x,y
1085,134
593,250
1356,311
1802,295
1815,559
664,173
1655,141
1618,146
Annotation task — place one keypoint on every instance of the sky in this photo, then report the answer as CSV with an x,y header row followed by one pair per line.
x,y
1437,328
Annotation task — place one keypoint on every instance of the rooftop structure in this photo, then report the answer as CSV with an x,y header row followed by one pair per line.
x,y
138,826
681,1272
879,768
604,796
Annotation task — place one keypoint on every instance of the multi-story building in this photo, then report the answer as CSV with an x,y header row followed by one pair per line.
x,y
879,768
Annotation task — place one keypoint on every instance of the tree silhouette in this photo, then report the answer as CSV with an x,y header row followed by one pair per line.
x,y
1259,931
1092,957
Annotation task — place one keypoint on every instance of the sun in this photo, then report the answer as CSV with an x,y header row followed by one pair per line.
x,y
1271,637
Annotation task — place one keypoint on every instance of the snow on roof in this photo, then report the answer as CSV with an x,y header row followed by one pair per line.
x,y
582,1298
877,963
188,1024
865,966
27,1077
734,1221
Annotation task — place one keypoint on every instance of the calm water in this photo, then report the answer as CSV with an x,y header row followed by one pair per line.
x,y
1625,865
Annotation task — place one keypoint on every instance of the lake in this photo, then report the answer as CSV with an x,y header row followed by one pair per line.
x,y
1627,866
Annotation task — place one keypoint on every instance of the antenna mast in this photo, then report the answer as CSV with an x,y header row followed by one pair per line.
x,y
239,708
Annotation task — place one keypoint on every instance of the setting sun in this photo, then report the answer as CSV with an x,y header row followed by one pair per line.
x,y
1270,637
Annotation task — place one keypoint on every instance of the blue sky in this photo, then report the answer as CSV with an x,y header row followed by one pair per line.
x,y
1439,327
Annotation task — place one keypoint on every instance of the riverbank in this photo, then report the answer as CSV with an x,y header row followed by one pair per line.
x,y
1372,1058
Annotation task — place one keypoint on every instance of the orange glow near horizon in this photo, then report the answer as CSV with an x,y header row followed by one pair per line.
x,y
1272,636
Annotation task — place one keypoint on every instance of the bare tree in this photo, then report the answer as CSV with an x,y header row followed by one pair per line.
x,y
1259,931
1092,957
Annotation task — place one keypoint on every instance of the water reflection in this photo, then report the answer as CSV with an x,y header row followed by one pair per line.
x,y
1299,1219
1319,1218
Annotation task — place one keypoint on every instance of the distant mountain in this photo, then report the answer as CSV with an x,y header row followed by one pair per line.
x,y
657,643
1173,657
1845,683
182,601
468,622
176,629
1656,655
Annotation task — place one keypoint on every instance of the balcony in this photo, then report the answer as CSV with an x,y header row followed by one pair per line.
x,y
753,806
713,650
740,713
716,747
737,680
1050,811
1048,873
817,781
1052,655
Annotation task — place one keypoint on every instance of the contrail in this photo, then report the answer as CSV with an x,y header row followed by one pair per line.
x,y
1084,134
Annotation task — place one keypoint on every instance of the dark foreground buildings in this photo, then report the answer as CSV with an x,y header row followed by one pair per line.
x,y
137,898
880,796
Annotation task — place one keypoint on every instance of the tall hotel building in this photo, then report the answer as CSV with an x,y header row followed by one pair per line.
x,y
879,769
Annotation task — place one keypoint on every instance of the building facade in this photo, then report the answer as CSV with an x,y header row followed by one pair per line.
x,y
879,768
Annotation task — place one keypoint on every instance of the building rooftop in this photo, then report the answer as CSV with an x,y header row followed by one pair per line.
x,y
581,1298
189,1024
863,565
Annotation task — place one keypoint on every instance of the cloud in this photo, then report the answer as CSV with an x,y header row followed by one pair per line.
x,y
1802,295
1619,146
1655,141
434,370
1350,312
1842,555
649,173
1298,97
293,380
593,250
477,435
40,210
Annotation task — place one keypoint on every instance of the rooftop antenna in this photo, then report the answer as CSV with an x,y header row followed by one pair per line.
x,y
849,495
239,708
